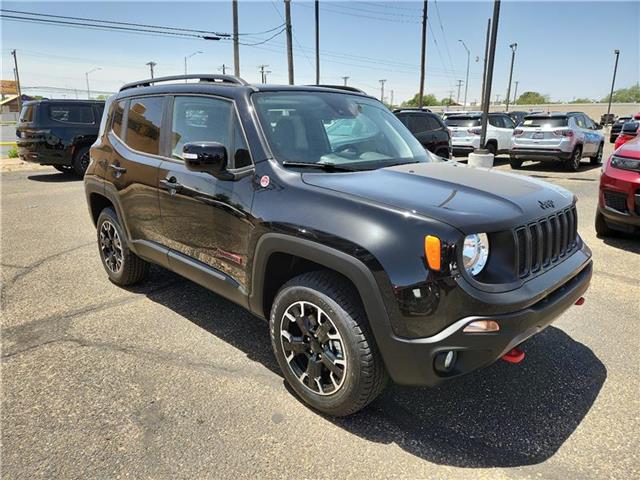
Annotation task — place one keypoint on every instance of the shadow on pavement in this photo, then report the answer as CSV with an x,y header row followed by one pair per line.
x,y
502,416
623,241
54,177
556,166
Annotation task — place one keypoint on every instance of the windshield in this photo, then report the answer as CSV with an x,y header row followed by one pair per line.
x,y
335,129
545,122
460,121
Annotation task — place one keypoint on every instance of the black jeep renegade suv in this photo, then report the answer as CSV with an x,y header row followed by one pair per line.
x,y
317,209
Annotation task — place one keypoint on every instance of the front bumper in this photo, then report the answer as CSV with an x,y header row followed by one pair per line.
x,y
539,153
412,360
625,214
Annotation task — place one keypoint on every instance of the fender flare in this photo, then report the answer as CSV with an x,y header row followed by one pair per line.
x,y
352,268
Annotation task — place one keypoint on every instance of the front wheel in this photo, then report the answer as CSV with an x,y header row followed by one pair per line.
x,y
597,159
323,344
515,163
81,161
602,229
573,164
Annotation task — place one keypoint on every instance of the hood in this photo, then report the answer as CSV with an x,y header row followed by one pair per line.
x,y
470,199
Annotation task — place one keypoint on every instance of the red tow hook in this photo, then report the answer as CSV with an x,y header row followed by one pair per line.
x,y
515,355
580,301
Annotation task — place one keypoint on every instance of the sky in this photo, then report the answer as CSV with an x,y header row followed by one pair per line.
x,y
565,48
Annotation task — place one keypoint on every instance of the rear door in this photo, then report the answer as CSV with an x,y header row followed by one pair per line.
x,y
132,166
583,134
205,218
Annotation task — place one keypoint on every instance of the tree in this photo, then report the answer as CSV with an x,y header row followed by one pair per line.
x,y
102,97
625,95
582,100
427,100
532,98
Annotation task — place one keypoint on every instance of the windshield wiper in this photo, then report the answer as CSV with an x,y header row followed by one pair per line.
x,y
329,167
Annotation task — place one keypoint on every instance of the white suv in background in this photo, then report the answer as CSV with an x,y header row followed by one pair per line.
x,y
566,137
465,133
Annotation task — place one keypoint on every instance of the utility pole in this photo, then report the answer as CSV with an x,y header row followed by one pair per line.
x,y
513,47
317,42
345,80
459,85
151,65
86,74
466,83
497,98
382,90
287,19
18,89
489,76
223,69
486,55
391,102
423,53
263,72
450,97
515,92
236,45
616,52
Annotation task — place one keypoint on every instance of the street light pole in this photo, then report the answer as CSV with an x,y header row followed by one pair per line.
x,y
236,46
484,68
86,75
489,77
616,52
151,65
345,80
185,62
382,90
317,12
287,19
515,92
423,52
466,83
513,47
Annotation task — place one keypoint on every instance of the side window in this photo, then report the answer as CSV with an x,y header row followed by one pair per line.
x,y
418,123
200,119
589,123
433,123
118,114
580,121
508,122
143,124
72,114
495,121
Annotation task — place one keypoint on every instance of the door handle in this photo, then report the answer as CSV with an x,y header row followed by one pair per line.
x,y
171,185
118,169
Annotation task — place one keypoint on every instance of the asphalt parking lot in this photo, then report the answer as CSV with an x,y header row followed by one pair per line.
x,y
168,380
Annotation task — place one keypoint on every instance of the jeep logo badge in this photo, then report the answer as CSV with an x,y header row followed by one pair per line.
x,y
546,204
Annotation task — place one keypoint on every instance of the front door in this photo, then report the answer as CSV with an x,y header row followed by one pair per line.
x,y
205,218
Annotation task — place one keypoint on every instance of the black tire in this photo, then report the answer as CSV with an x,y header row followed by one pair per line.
x,y
573,164
612,139
81,161
597,159
602,229
492,148
123,267
63,168
364,375
515,163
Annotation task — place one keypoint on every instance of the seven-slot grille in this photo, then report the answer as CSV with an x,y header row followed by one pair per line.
x,y
546,241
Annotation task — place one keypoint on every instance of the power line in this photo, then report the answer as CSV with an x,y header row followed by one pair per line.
x,y
372,17
264,41
444,35
295,39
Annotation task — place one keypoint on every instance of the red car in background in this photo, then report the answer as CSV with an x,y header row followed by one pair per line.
x,y
619,196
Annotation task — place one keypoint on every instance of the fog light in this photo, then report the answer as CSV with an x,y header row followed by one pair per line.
x,y
482,326
445,361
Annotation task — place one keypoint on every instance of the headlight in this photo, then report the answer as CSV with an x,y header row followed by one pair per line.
x,y
475,252
625,163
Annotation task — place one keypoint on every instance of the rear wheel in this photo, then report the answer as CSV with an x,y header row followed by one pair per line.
x,y
515,163
573,164
597,159
81,161
323,344
122,265
602,229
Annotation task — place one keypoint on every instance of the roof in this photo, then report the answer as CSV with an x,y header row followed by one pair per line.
x,y
64,100
548,115
8,99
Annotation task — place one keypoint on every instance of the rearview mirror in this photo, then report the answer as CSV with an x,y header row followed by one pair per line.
x,y
207,157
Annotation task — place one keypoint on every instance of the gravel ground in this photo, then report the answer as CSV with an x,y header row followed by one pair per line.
x,y
167,380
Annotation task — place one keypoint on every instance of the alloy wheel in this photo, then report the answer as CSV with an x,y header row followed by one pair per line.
x,y
84,161
313,348
111,247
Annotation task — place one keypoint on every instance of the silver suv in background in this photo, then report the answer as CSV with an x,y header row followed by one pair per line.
x,y
566,137
465,133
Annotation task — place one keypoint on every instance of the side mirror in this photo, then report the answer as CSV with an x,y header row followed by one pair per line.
x,y
207,157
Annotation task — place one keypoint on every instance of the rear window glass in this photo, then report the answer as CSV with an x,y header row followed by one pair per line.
x,y
630,128
26,115
118,114
143,124
460,121
543,122
72,113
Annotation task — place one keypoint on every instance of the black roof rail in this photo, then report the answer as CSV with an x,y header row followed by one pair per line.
x,y
214,78
341,87
414,109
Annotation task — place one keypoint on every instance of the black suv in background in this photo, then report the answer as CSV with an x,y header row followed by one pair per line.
x,y
616,128
428,128
59,132
317,209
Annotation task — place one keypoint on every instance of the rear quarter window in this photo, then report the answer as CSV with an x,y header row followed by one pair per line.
x,y
72,114
26,114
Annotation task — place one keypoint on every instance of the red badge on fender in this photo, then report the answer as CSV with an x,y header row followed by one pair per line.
x,y
264,181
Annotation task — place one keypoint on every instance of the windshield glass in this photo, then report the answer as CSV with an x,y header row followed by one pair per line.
x,y
460,121
336,129
548,122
